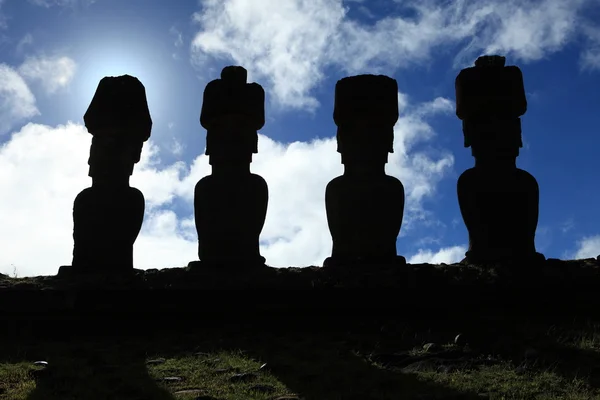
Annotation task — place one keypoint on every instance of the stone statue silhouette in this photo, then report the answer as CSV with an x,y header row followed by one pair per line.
x,y
499,202
230,205
364,205
108,216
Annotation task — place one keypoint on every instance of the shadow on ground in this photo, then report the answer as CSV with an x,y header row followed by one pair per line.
x,y
88,369
312,363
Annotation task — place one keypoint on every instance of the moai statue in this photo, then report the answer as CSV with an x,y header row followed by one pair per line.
x,y
230,205
499,202
364,205
108,216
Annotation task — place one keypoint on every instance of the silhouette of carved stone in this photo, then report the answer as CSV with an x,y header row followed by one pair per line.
x,y
364,205
230,205
108,216
499,202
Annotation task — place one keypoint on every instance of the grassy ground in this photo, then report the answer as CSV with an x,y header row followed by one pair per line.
x,y
495,357
414,355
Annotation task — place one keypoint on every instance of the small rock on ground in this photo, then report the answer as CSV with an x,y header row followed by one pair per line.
x,y
460,340
430,347
171,379
189,391
41,363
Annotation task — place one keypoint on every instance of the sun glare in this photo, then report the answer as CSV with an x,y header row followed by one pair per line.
x,y
115,59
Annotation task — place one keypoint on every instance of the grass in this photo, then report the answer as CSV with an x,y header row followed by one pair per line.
x,y
378,359
508,356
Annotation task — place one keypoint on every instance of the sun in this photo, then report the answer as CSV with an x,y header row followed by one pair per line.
x,y
116,58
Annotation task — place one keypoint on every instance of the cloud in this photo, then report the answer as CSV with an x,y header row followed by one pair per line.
x,y
25,41
447,255
288,44
284,42
178,36
568,225
590,57
419,171
42,169
17,103
296,231
527,31
53,73
178,43
177,148
588,247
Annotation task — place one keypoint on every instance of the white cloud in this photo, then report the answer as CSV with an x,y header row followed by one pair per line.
x,y
296,231
17,103
447,255
53,73
525,30
418,172
25,41
165,241
284,42
588,247
178,43
160,186
178,36
289,43
568,225
590,58
41,171
43,168
176,147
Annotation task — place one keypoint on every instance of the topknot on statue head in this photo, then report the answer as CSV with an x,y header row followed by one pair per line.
x,y
119,108
232,97
490,90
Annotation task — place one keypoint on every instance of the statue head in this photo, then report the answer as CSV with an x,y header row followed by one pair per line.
x,y
232,113
119,120
365,111
490,99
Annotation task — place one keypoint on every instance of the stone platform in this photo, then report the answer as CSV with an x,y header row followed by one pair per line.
x,y
551,286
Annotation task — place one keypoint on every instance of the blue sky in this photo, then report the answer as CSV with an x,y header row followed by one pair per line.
x,y
54,52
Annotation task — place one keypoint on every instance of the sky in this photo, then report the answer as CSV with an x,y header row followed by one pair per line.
x,y
53,53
